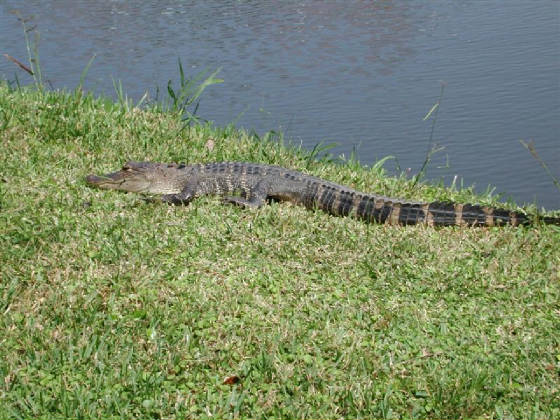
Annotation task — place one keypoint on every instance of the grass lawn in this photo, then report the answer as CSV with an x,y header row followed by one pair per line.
x,y
116,308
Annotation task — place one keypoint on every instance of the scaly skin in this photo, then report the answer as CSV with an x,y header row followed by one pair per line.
x,y
251,185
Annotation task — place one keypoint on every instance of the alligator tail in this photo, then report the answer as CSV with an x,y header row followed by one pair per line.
x,y
549,220
385,210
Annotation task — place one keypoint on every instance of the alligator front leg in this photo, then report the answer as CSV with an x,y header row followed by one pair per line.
x,y
185,196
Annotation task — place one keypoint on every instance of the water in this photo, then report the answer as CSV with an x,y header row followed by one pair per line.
x,y
360,74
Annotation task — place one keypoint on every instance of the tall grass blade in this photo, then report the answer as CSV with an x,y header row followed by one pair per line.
x,y
188,93
121,96
430,112
32,48
530,146
319,152
379,164
432,148
85,72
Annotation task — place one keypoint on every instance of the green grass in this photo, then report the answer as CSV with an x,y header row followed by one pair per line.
x,y
114,308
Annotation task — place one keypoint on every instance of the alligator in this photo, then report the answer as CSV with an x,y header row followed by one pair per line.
x,y
251,185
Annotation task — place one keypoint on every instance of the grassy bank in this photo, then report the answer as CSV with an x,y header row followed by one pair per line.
x,y
112,307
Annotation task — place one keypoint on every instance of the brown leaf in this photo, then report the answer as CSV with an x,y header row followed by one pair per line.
x,y
232,380
19,63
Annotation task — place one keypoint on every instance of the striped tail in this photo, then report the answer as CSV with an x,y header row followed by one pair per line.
x,y
548,220
449,214
384,210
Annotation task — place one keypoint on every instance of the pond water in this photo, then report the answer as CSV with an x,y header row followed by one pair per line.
x,y
356,73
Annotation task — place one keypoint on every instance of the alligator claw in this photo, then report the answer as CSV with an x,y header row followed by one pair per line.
x,y
176,199
151,199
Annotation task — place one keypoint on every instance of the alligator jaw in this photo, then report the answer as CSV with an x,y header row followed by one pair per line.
x,y
141,177
125,180
109,181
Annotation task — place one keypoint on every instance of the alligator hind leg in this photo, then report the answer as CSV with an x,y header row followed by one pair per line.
x,y
257,196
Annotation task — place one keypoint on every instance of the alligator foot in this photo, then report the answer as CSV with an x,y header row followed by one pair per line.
x,y
148,199
241,202
177,199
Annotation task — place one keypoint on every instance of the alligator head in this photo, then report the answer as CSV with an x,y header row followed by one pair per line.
x,y
140,177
